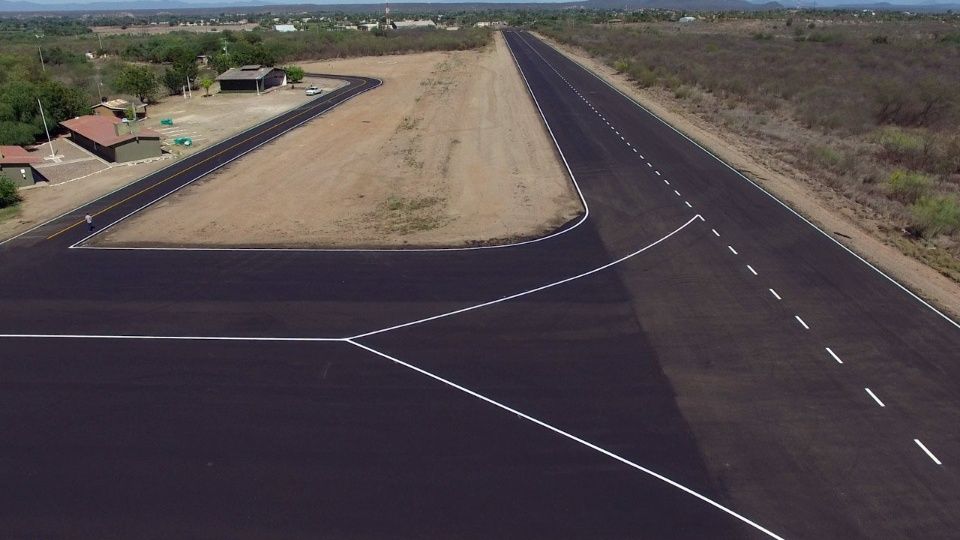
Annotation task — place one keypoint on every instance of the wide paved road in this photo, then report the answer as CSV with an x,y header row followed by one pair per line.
x,y
689,360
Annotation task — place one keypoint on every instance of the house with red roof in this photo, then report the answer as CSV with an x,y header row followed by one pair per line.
x,y
16,163
113,139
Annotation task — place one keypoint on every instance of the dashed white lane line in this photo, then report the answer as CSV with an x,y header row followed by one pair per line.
x,y
775,295
641,156
928,452
628,144
617,132
665,181
803,324
714,231
656,173
677,192
621,138
752,271
688,204
649,165
634,149
874,396
732,250
834,355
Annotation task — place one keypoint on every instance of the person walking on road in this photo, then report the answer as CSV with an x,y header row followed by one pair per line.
x,y
89,219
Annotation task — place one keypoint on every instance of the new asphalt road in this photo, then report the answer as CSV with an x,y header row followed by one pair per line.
x,y
688,359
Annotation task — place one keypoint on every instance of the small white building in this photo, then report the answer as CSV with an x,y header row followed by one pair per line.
x,y
687,20
404,25
285,28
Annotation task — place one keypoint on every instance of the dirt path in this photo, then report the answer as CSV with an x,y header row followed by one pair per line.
x,y
825,209
449,152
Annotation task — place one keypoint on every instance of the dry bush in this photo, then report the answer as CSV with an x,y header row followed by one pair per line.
x,y
933,216
908,186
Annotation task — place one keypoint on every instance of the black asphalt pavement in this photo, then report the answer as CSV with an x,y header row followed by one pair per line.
x,y
711,383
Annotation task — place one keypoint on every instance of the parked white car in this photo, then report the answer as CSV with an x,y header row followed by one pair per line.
x,y
314,91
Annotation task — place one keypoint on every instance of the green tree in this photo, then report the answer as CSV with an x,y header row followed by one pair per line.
x,y
295,74
17,133
140,81
206,82
8,192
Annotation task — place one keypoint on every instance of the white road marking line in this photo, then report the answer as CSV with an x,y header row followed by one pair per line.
x,y
688,204
567,435
628,144
775,295
714,231
657,173
530,291
834,355
701,218
634,149
929,453
677,192
752,271
665,181
803,324
772,196
732,250
649,165
874,396
617,132
621,137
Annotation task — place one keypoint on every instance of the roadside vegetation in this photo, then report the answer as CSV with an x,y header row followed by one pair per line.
x,y
868,109
80,67
9,197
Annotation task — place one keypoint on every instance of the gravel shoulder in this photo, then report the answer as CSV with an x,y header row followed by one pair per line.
x,y
450,151
820,206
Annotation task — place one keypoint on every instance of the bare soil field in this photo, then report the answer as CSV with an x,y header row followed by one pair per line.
x,y
862,231
166,29
450,151
78,176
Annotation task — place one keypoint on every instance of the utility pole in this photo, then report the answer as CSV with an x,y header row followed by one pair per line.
x,y
188,87
44,118
100,39
42,66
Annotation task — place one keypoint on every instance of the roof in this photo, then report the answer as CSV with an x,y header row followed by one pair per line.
x,y
284,28
103,130
245,73
118,105
414,24
16,155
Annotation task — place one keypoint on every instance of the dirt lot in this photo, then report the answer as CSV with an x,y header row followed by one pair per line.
x,y
450,151
77,176
166,29
825,208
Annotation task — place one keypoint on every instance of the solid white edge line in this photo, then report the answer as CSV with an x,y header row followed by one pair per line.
x,y
830,351
530,291
175,162
803,324
928,452
874,396
762,189
225,163
775,295
576,185
570,436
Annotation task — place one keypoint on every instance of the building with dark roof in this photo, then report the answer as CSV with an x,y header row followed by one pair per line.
x,y
252,78
113,139
16,163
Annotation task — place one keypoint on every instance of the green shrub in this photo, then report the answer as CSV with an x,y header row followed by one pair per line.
x,y
909,186
621,65
933,216
8,192
762,36
824,156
